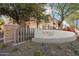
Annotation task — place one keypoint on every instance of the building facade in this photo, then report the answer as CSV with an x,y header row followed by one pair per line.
x,y
50,24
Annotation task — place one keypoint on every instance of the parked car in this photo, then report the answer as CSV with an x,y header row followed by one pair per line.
x,y
70,29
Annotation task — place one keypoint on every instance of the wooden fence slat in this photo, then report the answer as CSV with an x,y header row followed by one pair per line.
x,y
15,36
18,33
25,34
22,34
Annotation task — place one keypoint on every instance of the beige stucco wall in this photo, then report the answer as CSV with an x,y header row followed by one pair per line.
x,y
32,23
50,23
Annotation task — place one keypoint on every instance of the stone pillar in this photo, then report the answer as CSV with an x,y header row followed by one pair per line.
x,y
9,33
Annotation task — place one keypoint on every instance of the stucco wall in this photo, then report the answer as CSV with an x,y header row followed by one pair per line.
x,y
52,23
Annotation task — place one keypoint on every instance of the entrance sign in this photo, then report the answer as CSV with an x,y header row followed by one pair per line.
x,y
9,33
53,36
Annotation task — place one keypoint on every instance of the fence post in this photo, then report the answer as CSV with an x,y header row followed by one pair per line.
x,y
10,33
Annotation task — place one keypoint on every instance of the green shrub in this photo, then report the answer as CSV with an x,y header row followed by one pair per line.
x,y
14,49
38,53
76,51
2,46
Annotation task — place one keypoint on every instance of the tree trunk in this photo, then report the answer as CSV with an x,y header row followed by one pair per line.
x,y
60,22
37,25
17,14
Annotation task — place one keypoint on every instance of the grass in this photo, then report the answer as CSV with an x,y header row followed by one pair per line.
x,y
38,53
2,46
15,49
76,51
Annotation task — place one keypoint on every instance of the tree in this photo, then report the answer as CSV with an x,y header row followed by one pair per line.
x,y
22,12
71,19
1,22
64,10
73,16
40,18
